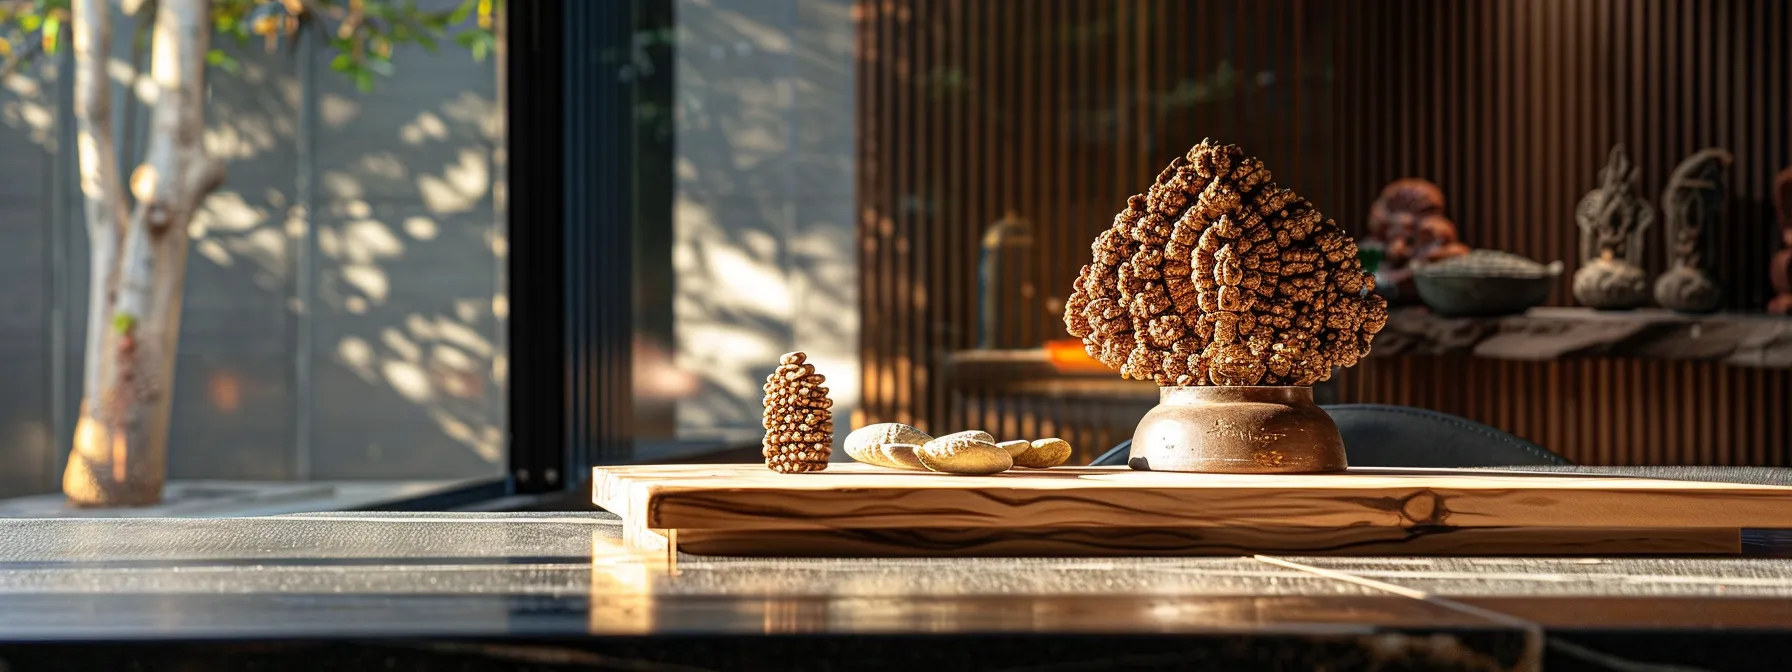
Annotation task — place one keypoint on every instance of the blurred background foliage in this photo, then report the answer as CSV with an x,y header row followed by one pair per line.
x,y
362,32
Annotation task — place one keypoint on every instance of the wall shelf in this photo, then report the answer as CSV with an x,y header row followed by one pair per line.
x,y
1541,334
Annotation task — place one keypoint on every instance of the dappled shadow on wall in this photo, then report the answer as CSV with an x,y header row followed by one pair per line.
x,y
763,250
370,326
26,437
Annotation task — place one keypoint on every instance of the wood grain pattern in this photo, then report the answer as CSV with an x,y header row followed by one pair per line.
x,y
853,508
1215,541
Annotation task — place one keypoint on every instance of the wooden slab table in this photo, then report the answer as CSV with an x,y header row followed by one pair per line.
x,y
859,510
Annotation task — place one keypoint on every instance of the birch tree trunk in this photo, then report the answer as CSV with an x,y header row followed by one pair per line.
x,y
138,260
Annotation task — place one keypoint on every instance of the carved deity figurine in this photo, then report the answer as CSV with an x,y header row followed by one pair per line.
x,y
1781,268
1407,224
1612,220
1692,203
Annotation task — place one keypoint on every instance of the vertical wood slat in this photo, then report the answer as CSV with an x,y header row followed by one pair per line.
x,y
1664,413
868,151
1068,106
910,37
930,27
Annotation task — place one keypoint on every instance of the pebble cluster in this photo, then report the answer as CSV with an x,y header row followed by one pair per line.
x,y
899,446
1215,276
799,427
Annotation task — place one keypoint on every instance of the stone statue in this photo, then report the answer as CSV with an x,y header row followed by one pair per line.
x,y
1692,203
1407,226
1781,268
1612,220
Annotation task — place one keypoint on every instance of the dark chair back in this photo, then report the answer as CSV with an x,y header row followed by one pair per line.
x,y
1379,435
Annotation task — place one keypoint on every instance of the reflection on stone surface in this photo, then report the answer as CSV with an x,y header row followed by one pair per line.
x,y
636,613
570,575
1629,577
1454,650
620,587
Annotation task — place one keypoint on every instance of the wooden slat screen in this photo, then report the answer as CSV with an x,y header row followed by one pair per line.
x,y
1056,110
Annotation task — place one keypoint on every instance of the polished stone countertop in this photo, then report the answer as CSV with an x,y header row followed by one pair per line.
x,y
503,589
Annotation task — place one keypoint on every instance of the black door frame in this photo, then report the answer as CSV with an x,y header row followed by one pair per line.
x,y
588,148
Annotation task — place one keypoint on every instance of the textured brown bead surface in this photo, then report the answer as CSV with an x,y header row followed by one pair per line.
x,y
799,427
1215,276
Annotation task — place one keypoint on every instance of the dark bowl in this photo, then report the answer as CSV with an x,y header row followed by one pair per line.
x,y
1462,296
1461,290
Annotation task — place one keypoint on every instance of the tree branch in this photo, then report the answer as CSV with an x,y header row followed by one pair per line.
x,y
98,155
131,146
310,7
176,173
101,188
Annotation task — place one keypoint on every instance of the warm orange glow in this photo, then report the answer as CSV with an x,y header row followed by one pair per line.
x,y
1068,356
120,458
658,377
226,391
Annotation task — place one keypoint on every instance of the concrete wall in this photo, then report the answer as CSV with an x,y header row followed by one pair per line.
x,y
26,267
763,248
345,331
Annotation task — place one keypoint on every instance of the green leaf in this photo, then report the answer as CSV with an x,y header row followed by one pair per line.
x,y
123,323
364,79
380,66
223,61
460,14
429,43
479,49
31,22
342,63
52,30
466,39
